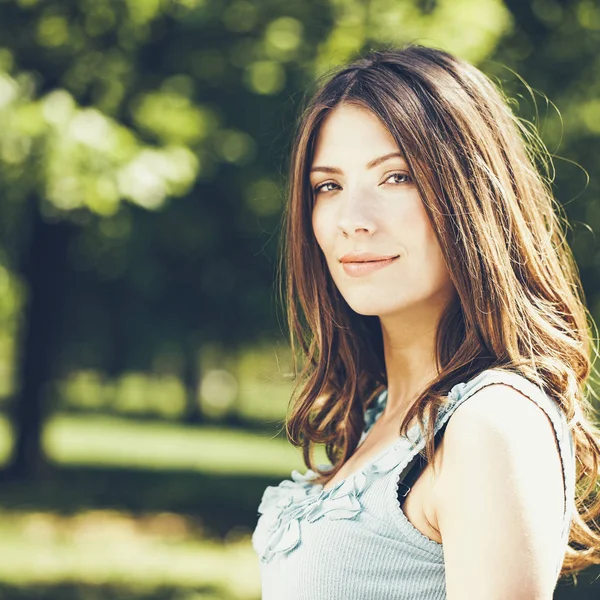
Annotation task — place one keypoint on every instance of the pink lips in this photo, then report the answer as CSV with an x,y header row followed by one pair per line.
x,y
358,265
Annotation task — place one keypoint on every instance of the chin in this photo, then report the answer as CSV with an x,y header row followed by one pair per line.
x,y
372,308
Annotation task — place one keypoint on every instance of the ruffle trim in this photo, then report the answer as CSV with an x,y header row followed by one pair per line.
x,y
283,506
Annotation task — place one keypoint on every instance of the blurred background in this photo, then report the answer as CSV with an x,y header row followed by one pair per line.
x,y
144,369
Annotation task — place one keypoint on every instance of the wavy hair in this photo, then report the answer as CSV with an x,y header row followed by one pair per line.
x,y
484,177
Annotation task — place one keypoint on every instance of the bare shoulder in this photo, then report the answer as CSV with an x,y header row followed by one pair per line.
x,y
501,410
499,486
501,421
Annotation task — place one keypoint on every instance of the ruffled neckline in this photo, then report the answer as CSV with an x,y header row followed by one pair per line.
x,y
284,506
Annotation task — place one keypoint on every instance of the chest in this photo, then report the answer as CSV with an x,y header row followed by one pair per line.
x,y
366,556
418,505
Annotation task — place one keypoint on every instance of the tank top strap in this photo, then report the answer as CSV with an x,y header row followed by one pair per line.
x,y
462,391
407,468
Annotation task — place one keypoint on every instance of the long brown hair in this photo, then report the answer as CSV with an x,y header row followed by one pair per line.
x,y
484,178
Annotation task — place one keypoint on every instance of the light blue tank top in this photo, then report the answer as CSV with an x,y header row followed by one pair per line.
x,y
353,541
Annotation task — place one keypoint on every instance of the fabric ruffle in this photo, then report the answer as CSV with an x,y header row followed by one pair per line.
x,y
283,507
456,392
372,414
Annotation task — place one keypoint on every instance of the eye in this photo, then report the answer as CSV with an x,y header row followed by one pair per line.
x,y
407,177
319,188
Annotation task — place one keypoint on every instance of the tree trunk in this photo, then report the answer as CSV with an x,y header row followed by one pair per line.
x,y
44,270
191,381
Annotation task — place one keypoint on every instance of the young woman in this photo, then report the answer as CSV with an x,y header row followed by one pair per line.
x,y
426,266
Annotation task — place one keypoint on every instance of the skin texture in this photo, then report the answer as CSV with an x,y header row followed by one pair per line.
x,y
499,498
379,210
496,500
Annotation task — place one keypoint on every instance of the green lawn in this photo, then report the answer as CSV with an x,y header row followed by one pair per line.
x,y
104,440
112,441
119,554
113,548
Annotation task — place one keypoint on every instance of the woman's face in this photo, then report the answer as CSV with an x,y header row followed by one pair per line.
x,y
367,208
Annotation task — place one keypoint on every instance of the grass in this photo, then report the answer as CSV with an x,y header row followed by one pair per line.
x,y
111,441
115,548
115,522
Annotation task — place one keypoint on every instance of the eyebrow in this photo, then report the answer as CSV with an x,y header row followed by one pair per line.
x,y
370,165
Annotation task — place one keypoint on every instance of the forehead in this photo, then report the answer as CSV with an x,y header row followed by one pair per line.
x,y
354,132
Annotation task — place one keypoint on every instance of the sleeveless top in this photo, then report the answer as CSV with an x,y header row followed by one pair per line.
x,y
353,541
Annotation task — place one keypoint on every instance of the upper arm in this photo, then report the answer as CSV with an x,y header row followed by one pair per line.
x,y
499,498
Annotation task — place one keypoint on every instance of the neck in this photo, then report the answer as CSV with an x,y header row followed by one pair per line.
x,y
410,359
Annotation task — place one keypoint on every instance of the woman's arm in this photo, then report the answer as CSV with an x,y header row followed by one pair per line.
x,y
499,498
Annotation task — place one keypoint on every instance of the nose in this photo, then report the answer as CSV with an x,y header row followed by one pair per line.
x,y
355,215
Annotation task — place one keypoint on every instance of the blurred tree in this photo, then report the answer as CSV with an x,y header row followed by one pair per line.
x,y
67,161
107,102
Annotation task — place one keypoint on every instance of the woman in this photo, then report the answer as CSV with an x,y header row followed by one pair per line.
x,y
426,266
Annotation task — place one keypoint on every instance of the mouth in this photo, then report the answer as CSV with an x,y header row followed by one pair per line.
x,y
365,257
357,262
358,268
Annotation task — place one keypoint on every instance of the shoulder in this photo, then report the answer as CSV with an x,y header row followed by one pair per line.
x,y
505,407
500,488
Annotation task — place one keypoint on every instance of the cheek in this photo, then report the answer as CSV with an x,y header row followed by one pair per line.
x,y
320,227
423,240
435,258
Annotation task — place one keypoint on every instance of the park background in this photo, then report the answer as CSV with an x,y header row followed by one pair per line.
x,y
144,369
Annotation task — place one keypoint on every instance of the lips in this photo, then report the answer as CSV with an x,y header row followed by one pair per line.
x,y
360,265
365,257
